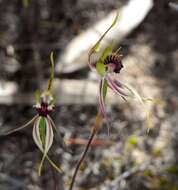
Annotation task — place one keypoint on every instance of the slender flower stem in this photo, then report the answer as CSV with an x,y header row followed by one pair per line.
x,y
97,125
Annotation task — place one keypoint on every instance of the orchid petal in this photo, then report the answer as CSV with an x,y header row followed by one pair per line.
x,y
142,101
59,139
58,169
49,136
22,127
36,134
116,87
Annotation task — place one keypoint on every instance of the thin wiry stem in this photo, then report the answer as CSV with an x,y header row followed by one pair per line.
x,y
98,122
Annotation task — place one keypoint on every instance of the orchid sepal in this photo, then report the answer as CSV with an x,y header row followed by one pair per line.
x,y
96,47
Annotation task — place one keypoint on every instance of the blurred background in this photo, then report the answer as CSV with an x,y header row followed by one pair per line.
x,y
128,159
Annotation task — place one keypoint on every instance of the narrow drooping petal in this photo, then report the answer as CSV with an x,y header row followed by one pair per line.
x,y
101,98
36,134
23,126
49,136
116,87
51,122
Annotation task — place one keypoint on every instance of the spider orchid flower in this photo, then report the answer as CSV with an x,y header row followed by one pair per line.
x,y
109,64
43,125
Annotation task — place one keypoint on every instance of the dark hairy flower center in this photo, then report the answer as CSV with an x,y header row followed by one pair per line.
x,y
44,109
114,63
